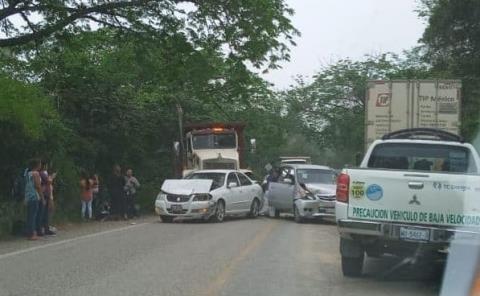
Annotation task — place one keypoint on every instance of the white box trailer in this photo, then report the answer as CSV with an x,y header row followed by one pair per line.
x,y
399,104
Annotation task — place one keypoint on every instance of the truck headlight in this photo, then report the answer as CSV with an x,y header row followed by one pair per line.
x,y
201,197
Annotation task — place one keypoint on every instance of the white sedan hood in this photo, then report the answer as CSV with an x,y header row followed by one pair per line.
x,y
186,187
323,189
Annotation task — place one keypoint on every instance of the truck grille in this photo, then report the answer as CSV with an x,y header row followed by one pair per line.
x,y
215,165
177,198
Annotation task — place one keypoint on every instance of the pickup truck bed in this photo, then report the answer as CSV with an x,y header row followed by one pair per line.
x,y
405,195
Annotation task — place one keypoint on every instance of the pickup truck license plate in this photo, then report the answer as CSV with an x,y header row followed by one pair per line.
x,y
326,210
177,208
414,234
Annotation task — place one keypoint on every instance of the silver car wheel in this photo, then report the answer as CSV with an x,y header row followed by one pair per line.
x,y
254,209
220,212
296,214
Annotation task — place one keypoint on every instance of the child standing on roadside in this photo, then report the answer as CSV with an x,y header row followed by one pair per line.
x,y
86,192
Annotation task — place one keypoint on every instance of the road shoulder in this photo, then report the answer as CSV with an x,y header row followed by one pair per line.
x,y
70,231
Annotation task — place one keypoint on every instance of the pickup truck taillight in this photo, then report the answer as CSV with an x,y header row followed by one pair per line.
x,y
343,182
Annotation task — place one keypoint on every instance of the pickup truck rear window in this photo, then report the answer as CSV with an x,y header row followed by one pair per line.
x,y
422,157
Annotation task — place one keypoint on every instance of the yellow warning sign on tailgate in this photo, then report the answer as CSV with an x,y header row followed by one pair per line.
x,y
358,189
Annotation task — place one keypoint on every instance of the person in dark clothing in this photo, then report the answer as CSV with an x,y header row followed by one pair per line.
x,y
116,186
271,177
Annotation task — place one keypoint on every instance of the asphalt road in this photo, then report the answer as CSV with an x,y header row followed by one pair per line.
x,y
238,257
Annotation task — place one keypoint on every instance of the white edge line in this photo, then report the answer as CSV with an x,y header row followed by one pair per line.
x,y
3,256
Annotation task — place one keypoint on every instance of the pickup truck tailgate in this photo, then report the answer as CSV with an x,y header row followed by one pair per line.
x,y
414,197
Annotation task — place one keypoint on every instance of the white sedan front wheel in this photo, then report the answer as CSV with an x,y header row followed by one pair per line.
x,y
219,212
254,209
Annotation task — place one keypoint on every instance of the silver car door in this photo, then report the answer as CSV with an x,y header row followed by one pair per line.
x,y
287,188
272,194
248,192
233,193
277,188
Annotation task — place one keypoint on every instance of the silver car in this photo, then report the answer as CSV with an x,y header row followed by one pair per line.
x,y
306,191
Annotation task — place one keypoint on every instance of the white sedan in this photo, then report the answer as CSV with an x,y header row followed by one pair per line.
x,y
209,194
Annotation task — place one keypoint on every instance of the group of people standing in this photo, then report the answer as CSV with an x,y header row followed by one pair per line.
x,y
121,188
38,199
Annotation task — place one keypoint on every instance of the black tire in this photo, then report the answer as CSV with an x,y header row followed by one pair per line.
x,y
167,219
296,215
352,266
254,209
219,212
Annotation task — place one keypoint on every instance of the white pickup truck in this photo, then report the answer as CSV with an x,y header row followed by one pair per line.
x,y
415,189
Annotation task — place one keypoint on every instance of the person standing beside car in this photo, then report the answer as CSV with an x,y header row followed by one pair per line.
x,y
33,192
271,177
131,186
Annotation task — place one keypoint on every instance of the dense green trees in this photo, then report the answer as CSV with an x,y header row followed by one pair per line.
x,y
27,118
87,96
255,31
452,45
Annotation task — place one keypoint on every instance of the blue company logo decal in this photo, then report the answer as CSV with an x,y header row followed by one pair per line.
x,y
374,192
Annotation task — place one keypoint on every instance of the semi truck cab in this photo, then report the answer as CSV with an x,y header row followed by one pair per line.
x,y
212,146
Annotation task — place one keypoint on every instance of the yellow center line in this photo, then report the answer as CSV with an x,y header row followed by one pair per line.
x,y
219,281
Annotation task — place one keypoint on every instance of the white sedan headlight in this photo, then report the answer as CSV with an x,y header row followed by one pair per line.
x,y
201,197
162,196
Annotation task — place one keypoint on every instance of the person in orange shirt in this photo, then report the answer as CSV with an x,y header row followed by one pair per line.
x,y
86,194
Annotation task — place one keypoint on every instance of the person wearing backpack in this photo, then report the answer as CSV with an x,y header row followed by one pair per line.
x,y
33,192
